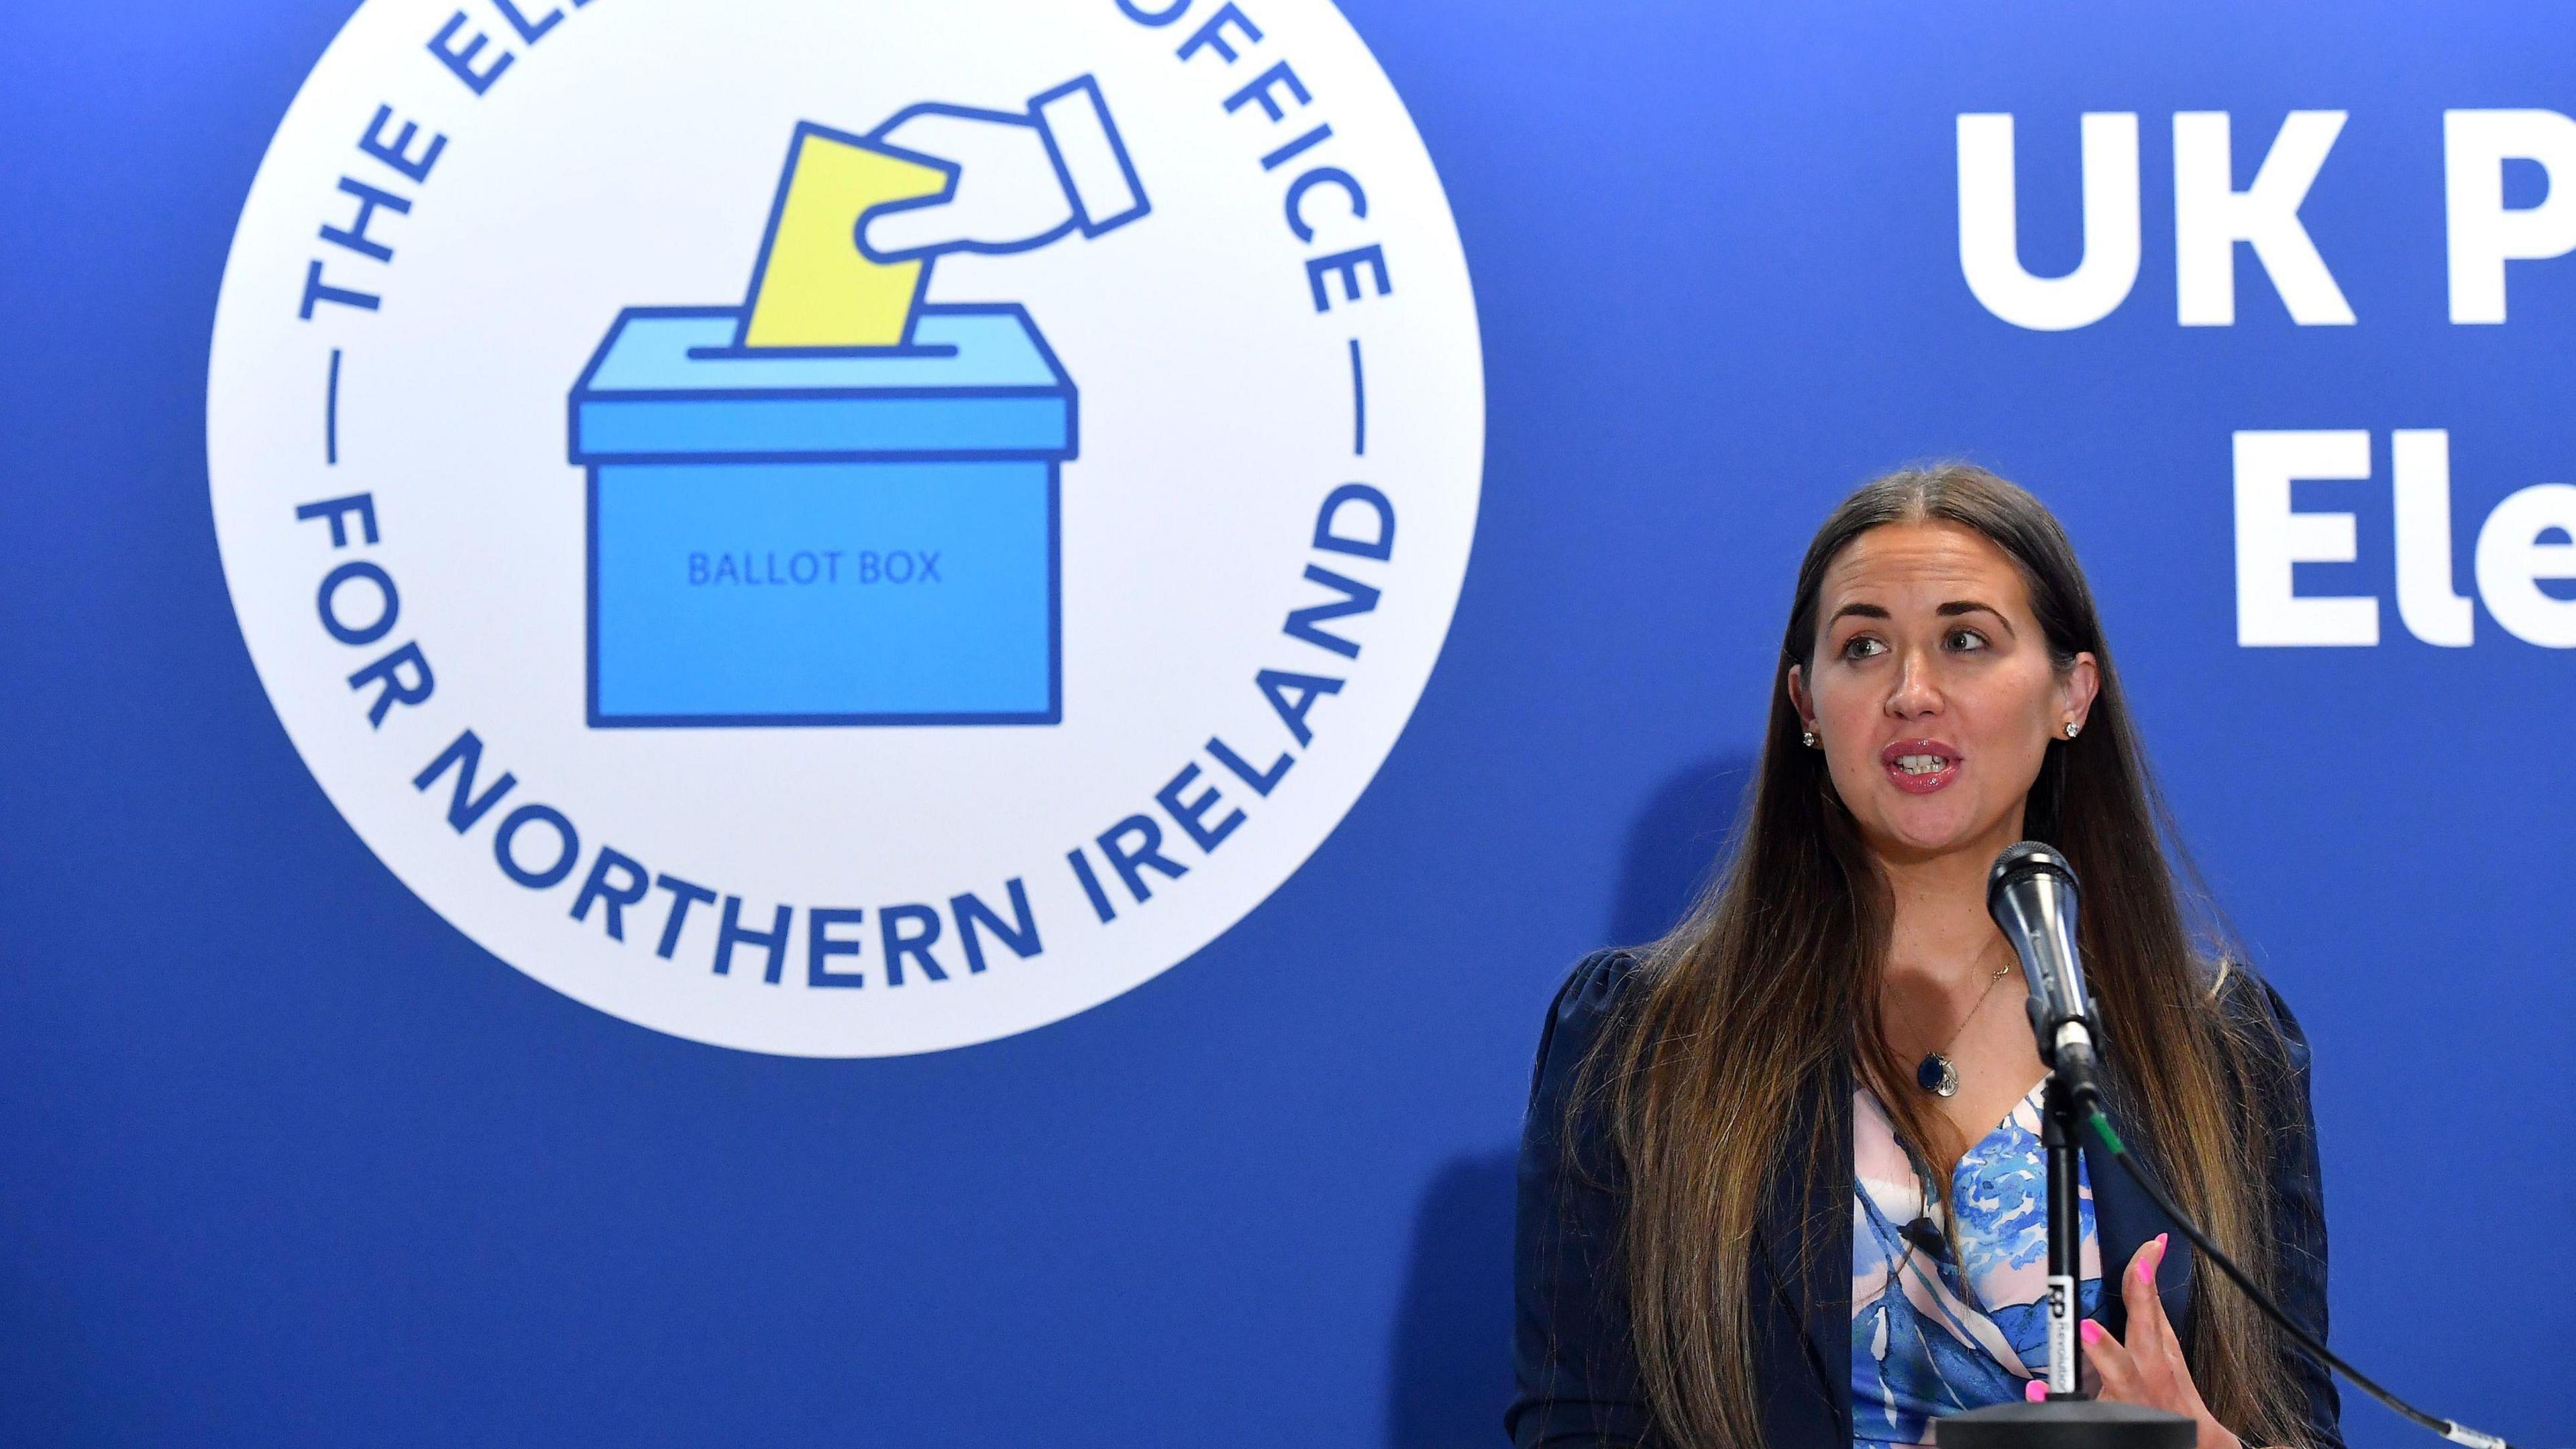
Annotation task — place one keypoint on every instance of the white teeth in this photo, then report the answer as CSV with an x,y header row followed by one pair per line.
x,y
1921,764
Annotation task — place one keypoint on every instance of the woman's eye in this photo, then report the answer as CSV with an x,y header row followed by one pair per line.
x,y
1863,647
1964,640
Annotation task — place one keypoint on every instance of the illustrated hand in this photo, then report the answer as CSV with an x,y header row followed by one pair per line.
x,y
2149,1368
1007,197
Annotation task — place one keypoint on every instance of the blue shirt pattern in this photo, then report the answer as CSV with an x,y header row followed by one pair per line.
x,y
1930,1336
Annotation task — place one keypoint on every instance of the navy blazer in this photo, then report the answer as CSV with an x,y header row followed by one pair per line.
x,y
1573,1358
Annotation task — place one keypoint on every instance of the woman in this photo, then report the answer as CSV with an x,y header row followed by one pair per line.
x,y
1780,1182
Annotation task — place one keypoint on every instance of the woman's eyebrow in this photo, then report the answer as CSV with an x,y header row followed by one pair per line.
x,y
1956,607
1866,611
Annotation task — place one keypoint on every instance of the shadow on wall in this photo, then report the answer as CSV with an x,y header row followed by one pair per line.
x,y
1452,1373
1453,1327
1674,845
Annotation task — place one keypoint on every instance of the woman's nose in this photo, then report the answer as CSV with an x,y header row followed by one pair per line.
x,y
1918,687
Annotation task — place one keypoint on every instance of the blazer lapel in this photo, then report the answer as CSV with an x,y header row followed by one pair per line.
x,y
2125,1218
1806,1238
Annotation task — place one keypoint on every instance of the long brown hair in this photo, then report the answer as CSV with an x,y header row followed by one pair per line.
x,y
1743,1016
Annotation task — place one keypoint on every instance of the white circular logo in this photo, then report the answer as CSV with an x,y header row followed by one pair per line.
x,y
845,527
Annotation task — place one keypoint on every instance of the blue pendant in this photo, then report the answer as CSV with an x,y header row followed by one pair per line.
x,y
1938,1075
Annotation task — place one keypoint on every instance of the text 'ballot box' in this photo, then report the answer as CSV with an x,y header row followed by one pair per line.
x,y
823,536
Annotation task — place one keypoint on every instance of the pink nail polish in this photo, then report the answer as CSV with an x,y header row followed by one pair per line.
x,y
2036,1392
2089,1331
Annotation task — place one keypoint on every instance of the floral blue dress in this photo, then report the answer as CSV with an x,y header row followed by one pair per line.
x,y
1931,1336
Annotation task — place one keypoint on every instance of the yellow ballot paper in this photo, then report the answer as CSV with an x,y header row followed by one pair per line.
x,y
814,287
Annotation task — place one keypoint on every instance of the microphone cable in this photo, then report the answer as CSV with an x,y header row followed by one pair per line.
x,y
2451,1429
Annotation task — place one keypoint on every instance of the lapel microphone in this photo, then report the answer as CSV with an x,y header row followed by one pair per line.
x,y
1926,1238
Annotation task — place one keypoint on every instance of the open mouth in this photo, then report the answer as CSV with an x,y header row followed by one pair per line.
x,y
1920,766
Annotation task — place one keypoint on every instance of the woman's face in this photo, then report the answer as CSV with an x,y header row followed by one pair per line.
x,y
1931,691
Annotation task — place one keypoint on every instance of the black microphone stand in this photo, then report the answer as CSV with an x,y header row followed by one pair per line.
x,y
2065,1232
2041,927
2067,1418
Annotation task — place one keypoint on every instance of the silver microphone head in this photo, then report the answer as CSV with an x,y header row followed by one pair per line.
x,y
2032,894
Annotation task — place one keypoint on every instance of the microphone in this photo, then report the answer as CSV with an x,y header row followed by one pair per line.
x,y
2031,893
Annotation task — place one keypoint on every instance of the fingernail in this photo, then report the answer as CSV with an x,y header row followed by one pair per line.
x,y
2036,1392
2160,1246
2089,1331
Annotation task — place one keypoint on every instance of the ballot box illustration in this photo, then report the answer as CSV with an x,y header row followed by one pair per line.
x,y
836,504
823,535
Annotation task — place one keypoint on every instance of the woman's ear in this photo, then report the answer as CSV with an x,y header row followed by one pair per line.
x,y
2076,691
1806,707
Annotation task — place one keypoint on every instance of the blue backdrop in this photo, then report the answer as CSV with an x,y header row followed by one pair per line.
x,y
284,1159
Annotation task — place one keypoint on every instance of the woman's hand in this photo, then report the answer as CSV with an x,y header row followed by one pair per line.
x,y
2149,1368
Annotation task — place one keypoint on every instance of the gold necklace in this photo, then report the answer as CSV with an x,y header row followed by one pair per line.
x,y
1936,1073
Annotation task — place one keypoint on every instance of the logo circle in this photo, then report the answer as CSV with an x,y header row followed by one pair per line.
x,y
845,529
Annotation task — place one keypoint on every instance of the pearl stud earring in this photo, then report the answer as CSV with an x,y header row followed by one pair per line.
x,y
2071,728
